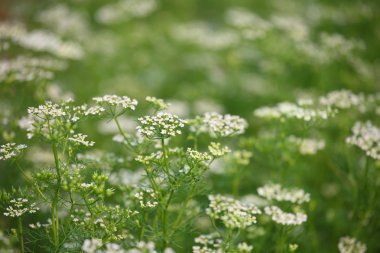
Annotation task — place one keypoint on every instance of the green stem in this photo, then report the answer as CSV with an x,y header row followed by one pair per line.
x,y
54,208
164,219
166,168
20,235
123,134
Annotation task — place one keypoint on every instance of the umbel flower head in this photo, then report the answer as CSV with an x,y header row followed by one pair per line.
x,y
351,245
20,206
278,193
218,125
231,212
158,103
284,218
10,150
117,101
161,126
55,121
367,137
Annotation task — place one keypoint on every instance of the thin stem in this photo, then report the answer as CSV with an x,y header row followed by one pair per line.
x,y
123,134
20,235
54,209
166,168
164,218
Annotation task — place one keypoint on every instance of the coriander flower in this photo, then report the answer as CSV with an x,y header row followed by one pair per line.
x,y
80,139
278,193
231,212
218,125
217,150
148,247
367,137
243,247
342,99
160,126
198,156
284,218
158,103
211,243
20,206
351,245
147,198
292,111
307,146
10,150
91,245
114,100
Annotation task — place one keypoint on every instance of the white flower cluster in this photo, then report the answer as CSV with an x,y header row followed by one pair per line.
x,y
10,150
342,99
161,126
80,139
367,137
147,159
202,35
216,149
249,24
307,146
26,69
123,10
159,103
218,125
20,206
41,41
147,198
198,156
278,193
91,245
146,247
243,247
64,20
351,245
284,218
242,157
47,110
51,118
231,212
211,243
114,100
290,110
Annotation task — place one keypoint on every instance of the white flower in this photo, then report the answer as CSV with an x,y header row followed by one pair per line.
x,y
20,206
91,245
114,100
307,146
80,139
160,104
277,192
367,137
243,247
10,150
289,110
231,212
342,99
211,243
124,10
284,218
218,125
351,245
198,156
146,247
147,198
217,150
163,125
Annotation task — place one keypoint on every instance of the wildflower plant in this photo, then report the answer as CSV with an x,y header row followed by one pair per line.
x,y
270,139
